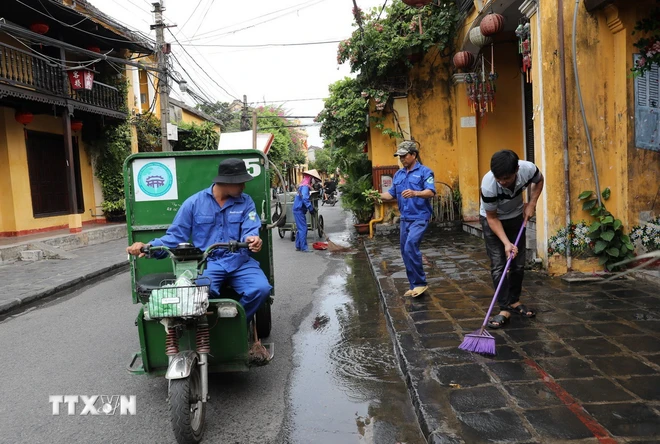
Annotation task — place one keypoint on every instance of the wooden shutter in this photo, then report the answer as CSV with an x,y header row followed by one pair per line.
x,y
529,121
647,109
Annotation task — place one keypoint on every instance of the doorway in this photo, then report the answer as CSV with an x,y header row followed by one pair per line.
x,y
47,168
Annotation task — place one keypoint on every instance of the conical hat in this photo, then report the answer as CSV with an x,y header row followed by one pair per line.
x,y
315,174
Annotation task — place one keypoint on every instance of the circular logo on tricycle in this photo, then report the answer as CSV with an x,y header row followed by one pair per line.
x,y
155,179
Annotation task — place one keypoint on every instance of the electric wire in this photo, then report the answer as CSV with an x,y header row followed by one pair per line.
x,y
199,2
203,17
253,25
263,45
198,65
79,29
254,18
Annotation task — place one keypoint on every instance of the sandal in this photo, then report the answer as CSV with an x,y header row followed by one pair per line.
x,y
522,311
497,321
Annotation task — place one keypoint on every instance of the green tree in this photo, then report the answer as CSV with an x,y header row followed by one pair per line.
x,y
322,161
231,120
194,137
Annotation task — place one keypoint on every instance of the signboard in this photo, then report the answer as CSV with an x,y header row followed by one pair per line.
x,y
155,179
385,183
81,79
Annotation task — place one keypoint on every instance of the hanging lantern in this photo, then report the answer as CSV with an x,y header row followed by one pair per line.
x,y
94,49
492,24
417,3
24,117
463,59
76,125
39,28
81,79
478,39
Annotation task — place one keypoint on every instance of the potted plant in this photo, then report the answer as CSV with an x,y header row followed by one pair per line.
x,y
354,200
114,210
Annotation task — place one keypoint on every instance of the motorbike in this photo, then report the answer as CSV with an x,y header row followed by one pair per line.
x,y
330,198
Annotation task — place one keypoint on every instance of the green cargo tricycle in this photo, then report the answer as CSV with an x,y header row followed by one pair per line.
x,y
185,332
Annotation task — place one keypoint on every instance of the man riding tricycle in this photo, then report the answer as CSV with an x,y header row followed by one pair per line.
x,y
205,309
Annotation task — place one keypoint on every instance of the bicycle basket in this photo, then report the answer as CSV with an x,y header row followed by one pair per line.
x,y
170,301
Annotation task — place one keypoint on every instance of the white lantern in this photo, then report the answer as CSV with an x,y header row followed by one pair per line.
x,y
478,39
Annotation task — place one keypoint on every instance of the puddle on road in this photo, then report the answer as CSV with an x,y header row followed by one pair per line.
x,y
346,386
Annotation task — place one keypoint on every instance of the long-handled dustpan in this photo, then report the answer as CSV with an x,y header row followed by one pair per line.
x,y
481,341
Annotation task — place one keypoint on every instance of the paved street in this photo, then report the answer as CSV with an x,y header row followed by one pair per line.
x,y
334,375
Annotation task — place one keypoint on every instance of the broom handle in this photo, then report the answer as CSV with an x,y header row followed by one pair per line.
x,y
499,286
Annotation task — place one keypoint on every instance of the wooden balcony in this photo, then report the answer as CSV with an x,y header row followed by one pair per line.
x,y
27,75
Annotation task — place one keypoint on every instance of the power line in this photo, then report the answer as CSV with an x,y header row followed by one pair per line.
x,y
261,45
254,25
74,26
288,100
203,17
195,61
199,2
254,18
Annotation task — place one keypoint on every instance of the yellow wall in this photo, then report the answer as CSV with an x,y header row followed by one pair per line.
x,y
188,117
16,195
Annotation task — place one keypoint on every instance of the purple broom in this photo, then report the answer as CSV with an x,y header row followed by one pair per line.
x,y
481,341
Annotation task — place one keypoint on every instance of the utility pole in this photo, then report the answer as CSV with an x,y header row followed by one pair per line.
x,y
254,129
245,119
162,49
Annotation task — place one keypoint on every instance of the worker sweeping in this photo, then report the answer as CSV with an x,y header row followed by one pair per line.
x,y
301,205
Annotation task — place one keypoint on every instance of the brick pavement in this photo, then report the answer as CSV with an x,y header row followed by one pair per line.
x,y
586,369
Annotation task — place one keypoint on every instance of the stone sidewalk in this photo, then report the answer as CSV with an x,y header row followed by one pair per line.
x,y
25,282
585,370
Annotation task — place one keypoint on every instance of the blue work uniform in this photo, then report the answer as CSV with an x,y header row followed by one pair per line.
x,y
301,205
416,213
203,222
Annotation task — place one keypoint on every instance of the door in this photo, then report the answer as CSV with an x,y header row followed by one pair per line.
x,y
47,168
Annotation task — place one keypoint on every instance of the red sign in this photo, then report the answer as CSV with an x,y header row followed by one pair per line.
x,y
81,79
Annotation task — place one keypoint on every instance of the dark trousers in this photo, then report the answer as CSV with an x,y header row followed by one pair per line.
x,y
512,285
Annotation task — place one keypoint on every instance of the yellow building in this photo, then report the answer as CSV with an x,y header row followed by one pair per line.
x,y
49,120
536,112
47,52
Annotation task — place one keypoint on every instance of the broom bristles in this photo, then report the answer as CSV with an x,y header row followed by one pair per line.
x,y
480,342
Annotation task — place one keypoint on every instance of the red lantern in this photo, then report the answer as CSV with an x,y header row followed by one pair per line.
x,y
39,28
463,59
24,117
491,24
76,125
417,3
81,79
94,49
365,148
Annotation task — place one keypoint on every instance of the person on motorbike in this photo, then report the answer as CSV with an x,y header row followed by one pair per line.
x,y
329,188
221,213
301,205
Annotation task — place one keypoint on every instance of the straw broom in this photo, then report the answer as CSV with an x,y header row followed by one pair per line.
x,y
481,341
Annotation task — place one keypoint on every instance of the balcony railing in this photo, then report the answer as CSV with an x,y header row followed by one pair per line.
x,y
25,70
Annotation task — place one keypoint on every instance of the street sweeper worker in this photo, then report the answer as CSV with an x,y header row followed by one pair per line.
x,y
301,205
412,187
222,213
502,214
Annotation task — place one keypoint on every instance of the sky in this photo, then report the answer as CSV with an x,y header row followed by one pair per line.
x,y
272,73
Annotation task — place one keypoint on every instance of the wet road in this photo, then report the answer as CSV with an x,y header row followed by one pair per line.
x,y
334,377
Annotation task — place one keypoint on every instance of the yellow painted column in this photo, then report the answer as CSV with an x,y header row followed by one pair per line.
x,y
468,158
620,115
7,218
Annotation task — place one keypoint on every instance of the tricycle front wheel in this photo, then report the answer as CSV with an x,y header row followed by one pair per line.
x,y
187,409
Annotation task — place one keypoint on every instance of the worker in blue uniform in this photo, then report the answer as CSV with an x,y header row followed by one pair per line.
x,y
222,213
301,205
412,187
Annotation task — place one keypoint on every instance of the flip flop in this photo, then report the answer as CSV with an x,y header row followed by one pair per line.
x,y
408,293
418,291
522,311
497,321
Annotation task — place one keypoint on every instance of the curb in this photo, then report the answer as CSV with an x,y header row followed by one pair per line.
x,y
74,283
425,421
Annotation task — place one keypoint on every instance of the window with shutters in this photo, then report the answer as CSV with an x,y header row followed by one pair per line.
x,y
647,109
